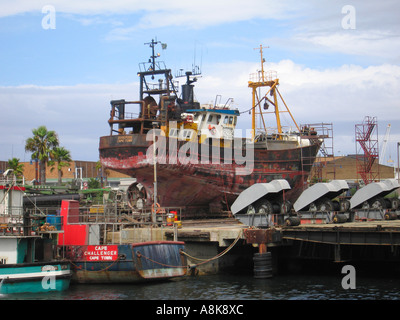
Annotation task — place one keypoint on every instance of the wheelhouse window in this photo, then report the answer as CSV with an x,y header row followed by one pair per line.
x,y
173,132
186,134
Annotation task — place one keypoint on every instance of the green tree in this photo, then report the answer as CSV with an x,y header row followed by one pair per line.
x,y
62,158
41,145
16,166
93,183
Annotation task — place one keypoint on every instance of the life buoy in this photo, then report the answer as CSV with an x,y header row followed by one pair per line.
x,y
212,129
158,208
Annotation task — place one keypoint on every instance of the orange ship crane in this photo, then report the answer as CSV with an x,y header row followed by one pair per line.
x,y
266,79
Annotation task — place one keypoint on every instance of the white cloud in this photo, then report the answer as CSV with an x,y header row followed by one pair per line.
x,y
319,29
198,14
79,113
158,12
314,25
327,92
375,43
194,14
342,96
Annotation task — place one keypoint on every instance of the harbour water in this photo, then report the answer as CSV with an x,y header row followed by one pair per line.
x,y
226,295
234,288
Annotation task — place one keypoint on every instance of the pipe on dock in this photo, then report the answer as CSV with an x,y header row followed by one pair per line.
x,y
51,199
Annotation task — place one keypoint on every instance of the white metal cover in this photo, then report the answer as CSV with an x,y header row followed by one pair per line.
x,y
318,191
373,189
256,192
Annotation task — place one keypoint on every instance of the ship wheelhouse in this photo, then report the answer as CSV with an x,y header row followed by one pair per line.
x,y
215,123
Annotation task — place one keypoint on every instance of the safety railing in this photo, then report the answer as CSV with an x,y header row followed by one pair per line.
x,y
126,216
262,76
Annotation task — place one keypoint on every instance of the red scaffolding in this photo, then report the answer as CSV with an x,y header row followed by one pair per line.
x,y
367,151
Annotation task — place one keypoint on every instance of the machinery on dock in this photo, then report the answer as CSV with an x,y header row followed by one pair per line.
x,y
264,205
369,202
320,202
261,202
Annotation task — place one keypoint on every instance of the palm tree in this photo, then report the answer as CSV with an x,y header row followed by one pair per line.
x,y
41,145
16,166
103,171
62,157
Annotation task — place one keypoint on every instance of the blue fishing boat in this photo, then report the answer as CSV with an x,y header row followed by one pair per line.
x,y
94,259
127,263
27,253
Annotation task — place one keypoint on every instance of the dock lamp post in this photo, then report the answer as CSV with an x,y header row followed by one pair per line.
x,y
153,212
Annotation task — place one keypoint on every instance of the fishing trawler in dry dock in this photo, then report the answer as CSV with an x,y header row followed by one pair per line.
x,y
200,162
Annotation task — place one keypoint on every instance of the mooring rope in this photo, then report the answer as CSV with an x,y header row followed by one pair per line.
x,y
194,258
218,255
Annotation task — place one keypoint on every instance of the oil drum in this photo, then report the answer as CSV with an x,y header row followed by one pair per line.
x,y
262,265
292,221
390,216
339,218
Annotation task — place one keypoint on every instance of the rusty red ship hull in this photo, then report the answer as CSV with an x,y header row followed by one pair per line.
x,y
200,184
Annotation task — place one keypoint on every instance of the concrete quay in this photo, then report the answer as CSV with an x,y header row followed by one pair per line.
x,y
218,245
205,242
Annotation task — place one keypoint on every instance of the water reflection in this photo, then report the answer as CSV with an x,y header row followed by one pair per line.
x,y
228,287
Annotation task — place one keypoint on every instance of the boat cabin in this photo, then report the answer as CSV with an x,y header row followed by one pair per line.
x,y
215,123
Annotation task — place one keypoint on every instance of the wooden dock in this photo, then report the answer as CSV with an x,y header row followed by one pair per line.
x,y
207,240
353,242
351,233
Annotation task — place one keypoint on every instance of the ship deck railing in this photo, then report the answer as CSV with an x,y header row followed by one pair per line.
x,y
147,67
110,215
8,180
17,221
263,76
11,221
34,221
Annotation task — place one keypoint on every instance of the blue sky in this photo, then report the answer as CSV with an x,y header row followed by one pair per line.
x,y
64,77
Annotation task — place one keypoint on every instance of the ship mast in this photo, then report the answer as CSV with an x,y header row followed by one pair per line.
x,y
266,79
153,56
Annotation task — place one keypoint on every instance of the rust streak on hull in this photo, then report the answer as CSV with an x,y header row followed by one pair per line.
x,y
200,184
